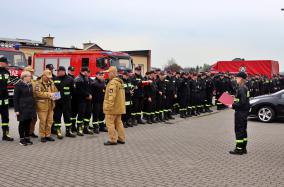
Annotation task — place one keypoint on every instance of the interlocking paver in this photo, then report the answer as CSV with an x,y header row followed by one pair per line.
x,y
191,152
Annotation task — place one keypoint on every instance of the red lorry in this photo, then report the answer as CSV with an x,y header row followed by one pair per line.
x,y
252,67
94,60
16,63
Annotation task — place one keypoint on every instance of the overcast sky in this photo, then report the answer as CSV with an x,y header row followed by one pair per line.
x,y
191,31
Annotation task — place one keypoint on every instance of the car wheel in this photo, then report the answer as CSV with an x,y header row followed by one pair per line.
x,y
266,114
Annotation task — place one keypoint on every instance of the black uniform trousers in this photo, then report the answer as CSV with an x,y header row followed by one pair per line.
x,y
137,106
241,128
62,108
127,115
98,115
4,112
74,111
84,112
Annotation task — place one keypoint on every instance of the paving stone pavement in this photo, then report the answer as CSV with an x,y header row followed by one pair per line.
x,y
191,152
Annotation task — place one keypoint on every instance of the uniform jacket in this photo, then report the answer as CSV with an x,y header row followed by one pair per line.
x,y
4,78
65,85
138,86
24,102
82,87
42,94
242,99
114,101
98,90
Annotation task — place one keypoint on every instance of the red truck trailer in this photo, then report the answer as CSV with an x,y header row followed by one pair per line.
x,y
94,60
252,67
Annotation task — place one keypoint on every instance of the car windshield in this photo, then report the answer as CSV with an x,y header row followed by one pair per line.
x,y
121,62
14,58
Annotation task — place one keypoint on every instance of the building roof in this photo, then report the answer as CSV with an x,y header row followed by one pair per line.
x,y
94,47
139,52
18,40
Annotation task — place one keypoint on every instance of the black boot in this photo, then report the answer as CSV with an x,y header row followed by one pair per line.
x,y
149,119
153,118
69,133
23,142
59,133
170,117
128,124
53,129
96,128
6,136
80,130
161,117
237,151
182,115
133,121
198,111
124,124
73,127
102,127
157,117
28,141
86,130
139,120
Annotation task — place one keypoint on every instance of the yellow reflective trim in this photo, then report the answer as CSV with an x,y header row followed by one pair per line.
x,y
6,101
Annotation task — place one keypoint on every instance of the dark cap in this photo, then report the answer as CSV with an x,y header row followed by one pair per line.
x,y
61,68
85,69
49,66
138,68
71,68
242,75
3,59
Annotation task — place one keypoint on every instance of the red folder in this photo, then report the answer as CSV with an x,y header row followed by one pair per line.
x,y
226,99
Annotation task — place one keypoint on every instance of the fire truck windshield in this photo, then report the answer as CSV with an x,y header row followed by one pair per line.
x,y
121,63
15,58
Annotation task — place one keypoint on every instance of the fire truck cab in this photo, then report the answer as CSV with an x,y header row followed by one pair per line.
x,y
94,60
16,63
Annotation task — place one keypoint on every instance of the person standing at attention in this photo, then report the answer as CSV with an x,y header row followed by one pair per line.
x,y
114,107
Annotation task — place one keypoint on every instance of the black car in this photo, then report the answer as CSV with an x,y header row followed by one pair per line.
x,y
268,107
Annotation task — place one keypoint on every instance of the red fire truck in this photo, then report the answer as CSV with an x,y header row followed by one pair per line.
x,y
94,60
16,63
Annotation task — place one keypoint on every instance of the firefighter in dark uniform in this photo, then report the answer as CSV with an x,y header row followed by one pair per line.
x,y
4,98
170,94
202,93
183,94
98,87
128,87
84,98
74,106
138,96
65,85
241,107
176,80
194,95
209,84
265,85
161,97
220,89
150,91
